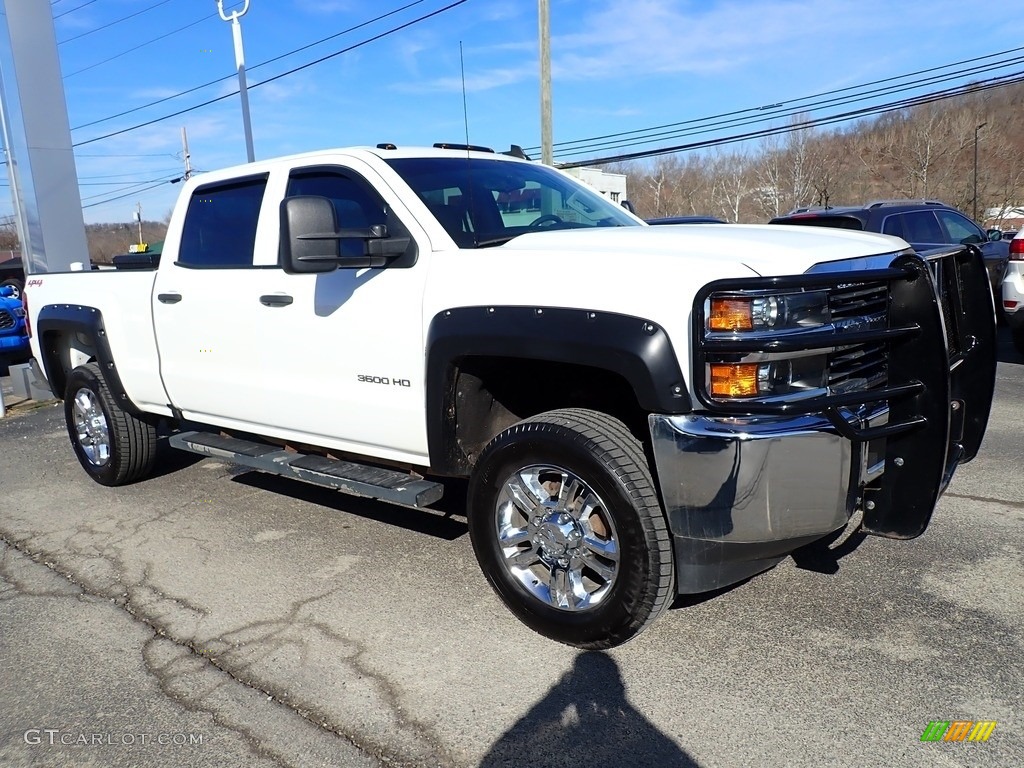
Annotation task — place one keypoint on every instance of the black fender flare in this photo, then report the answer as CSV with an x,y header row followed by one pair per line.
x,y
72,319
634,348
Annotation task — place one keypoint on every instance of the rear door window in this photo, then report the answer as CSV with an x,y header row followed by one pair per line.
x,y
893,225
922,227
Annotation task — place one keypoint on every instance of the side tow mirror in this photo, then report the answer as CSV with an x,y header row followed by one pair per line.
x,y
309,242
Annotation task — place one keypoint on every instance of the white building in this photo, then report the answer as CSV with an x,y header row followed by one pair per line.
x,y
610,185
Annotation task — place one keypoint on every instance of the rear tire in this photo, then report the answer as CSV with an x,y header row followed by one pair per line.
x,y
113,447
567,527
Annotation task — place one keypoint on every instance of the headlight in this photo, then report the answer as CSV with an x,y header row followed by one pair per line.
x,y
734,316
775,312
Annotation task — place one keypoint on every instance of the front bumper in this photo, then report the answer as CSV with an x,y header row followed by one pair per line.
x,y
742,493
744,483
14,345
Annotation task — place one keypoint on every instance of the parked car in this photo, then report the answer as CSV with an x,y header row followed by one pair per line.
x,y
12,275
14,343
1009,234
685,220
1013,291
925,224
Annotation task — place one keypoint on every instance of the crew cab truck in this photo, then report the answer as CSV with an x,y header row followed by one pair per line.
x,y
640,411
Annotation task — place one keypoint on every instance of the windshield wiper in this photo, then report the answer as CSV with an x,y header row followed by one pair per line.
x,y
492,241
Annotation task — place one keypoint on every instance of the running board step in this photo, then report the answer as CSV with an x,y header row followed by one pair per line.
x,y
344,476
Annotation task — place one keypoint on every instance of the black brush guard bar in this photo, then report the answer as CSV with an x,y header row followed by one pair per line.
x,y
939,400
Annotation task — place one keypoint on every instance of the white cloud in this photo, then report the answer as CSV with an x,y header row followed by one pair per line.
x,y
475,81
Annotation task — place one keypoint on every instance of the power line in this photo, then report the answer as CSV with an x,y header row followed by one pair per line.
x,y
90,2
126,194
112,23
706,126
131,185
799,100
140,45
1017,77
255,66
152,154
276,77
120,175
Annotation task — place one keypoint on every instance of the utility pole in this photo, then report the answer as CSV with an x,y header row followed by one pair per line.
x,y
187,156
138,218
546,143
978,128
236,33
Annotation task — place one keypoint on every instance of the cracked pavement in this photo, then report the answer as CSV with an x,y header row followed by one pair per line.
x,y
292,626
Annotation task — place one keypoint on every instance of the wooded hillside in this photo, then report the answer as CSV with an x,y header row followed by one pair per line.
x,y
923,152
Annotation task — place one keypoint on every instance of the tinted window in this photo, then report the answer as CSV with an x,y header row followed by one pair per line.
x,y
354,205
960,229
220,225
893,225
488,202
919,227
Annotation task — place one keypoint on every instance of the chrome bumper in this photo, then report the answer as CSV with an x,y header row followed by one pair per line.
x,y
742,493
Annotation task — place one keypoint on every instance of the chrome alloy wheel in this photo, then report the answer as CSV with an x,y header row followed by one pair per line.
x,y
93,433
556,537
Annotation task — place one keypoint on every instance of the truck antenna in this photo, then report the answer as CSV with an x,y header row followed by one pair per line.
x,y
465,108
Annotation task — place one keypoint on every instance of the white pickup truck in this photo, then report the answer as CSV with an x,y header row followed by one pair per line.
x,y
640,411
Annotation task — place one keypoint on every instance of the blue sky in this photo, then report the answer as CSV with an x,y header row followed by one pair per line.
x,y
617,66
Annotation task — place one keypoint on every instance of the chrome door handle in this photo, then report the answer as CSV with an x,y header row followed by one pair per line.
x,y
275,300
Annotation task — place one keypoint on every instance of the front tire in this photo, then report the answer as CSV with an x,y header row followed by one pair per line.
x,y
567,528
113,447
16,285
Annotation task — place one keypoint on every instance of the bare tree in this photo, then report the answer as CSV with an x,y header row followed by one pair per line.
x,y
732,182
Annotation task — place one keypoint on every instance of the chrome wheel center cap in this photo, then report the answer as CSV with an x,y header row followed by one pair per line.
x,y
557,534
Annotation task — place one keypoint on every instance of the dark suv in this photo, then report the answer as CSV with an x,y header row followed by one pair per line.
x,y
925,224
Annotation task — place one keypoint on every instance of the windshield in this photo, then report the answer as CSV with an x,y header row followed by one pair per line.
x,y
483,202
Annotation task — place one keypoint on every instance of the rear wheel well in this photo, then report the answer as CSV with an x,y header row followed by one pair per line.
x,y
63,351
490,394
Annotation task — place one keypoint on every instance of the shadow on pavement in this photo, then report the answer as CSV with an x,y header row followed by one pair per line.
x,y
426,521
1006,352
586,719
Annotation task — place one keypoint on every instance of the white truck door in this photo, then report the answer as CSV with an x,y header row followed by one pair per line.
x,y
332,359
201,313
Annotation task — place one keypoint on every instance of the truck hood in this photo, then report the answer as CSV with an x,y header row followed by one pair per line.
x,y
768,250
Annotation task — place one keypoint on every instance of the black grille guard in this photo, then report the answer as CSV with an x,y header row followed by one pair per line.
x,y
941,374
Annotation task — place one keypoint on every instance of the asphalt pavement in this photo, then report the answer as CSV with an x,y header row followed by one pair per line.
x,y
210,616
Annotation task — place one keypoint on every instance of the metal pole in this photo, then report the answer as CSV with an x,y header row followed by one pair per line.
x,y
188,157
546,142
978,128
236,34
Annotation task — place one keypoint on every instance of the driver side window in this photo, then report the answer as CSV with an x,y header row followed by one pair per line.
x,y
961,229
354,205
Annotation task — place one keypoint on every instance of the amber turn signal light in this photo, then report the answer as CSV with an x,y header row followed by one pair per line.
x,y
734,380
730,315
